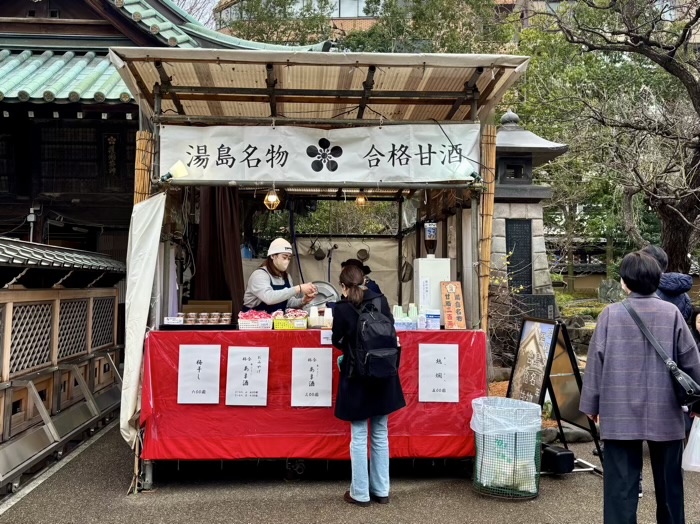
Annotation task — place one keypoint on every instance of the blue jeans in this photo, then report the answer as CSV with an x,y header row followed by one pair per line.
x,y
377,481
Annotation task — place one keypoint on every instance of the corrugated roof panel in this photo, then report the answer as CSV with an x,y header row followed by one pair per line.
x,y
427,75
246,109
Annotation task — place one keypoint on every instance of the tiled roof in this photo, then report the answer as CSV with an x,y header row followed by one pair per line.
x,y
153,21
27,254
148,18
54,76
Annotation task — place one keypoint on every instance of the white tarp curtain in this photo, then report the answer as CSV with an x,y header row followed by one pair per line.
x,y
141,261
402,154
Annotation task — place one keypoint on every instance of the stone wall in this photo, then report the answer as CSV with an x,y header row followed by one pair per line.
x,y
541,281
580,339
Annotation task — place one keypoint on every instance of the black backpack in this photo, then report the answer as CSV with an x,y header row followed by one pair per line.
x,y
376,353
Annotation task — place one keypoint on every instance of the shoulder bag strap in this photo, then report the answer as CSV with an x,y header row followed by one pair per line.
x,y
664,356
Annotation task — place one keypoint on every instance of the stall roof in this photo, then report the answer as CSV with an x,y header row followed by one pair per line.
x,y
221,86
28,254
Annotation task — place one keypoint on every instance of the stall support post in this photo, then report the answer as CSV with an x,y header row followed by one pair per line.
x,y
147,475
476,295
399,258
458,235
157,109
488,175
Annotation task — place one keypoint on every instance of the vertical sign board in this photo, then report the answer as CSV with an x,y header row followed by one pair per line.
x,y
527,381
565,382
198,374
545,361
438,373
246,378
312,377
453,305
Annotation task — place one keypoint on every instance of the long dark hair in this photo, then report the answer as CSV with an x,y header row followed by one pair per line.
x,y
353,279
269,264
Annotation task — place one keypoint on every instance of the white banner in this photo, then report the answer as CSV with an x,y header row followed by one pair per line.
x,y
365,155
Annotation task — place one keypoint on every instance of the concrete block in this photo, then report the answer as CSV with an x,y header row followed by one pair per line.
x,y
540,262
501,210
542,279
534,211
499,227
537,227
518,211
538,245
498,245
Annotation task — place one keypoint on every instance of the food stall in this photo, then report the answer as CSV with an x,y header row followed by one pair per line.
x,y
334,126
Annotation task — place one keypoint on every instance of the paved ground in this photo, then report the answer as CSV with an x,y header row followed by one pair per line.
x,y
92,488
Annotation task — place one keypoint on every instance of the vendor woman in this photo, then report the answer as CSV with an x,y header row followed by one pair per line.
x,y
271,288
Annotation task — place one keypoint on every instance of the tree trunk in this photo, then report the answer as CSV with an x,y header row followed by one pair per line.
x,y
675,240
570,277
609,254
678,236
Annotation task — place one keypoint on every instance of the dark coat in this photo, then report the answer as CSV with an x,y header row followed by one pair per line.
x,y
674,288
359,398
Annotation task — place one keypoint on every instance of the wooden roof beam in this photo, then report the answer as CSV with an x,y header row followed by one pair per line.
x,y
485,94
271,84
469,94
418,95
368,85
165,82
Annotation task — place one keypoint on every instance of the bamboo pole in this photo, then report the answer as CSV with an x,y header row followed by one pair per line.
x,y
488,174
144,161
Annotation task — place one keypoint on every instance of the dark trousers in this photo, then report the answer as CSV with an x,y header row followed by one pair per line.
x,y
622,466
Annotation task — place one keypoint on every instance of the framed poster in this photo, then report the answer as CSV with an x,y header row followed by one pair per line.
x,y
536,345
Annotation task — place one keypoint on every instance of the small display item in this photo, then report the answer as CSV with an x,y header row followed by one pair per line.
x,y
291,319
254,320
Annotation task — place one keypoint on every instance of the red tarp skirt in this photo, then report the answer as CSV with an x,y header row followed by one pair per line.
x,y
278,430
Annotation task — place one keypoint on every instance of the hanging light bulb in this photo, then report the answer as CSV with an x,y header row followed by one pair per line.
x,y
361,200
272,199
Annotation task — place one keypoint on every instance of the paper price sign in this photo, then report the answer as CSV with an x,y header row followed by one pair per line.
x,y
438,373
198,374
312,377
247,374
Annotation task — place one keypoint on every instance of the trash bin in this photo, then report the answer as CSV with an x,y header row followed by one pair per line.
x,y
508,434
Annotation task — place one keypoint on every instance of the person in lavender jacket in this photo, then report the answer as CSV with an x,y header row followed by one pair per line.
x,y
629,390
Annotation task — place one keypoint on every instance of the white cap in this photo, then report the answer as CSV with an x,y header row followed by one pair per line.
x,y
279,245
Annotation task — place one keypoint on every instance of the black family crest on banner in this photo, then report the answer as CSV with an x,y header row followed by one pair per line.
x,y
545,362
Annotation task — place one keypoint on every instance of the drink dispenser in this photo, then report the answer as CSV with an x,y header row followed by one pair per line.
x,y
429,272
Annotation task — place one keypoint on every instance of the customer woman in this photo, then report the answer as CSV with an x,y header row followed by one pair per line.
x,y
270,287
628,388
360,400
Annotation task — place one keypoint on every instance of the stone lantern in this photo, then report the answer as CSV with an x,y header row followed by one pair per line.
x,y
518,233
